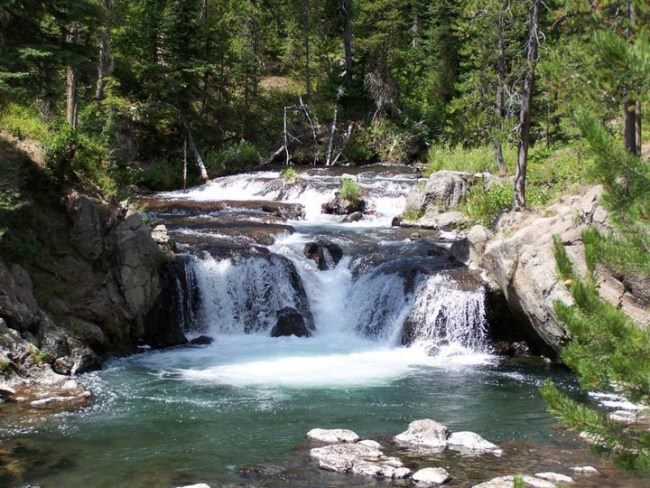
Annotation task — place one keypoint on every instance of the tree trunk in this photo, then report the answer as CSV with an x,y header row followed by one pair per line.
x,y
306,34
639,136
526,103
629,126
105,61
500,89
71,82
185,163
197,155
346,9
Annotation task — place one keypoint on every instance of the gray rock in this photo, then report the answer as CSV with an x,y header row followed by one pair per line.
x,y
359,459
471,442
441,221
554,477
197,485
416,199
431,476
353,217
290,322
585,469
333,436
426,433
508,481
159,234
446,188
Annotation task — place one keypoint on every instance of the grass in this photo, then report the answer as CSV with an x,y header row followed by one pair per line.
x,y
552,172
411,214
23,122
350,190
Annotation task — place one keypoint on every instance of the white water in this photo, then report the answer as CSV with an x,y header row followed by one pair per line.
x,y
358,319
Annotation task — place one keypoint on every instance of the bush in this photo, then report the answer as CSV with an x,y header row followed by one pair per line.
x,y
485,204
74,158
24,122
411,214
233,157
474,160
382,140
162,174
289,175
350,190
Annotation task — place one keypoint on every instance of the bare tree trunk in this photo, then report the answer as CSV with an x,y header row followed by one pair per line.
x,y
346,9
285,136
328,161
71,82
197,154
185,163
500,88
526,103
639,134
629,126
105,61
306,34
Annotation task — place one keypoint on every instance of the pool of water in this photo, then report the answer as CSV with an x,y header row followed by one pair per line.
x,y
203,413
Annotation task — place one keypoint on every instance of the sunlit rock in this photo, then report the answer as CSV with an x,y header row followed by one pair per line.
x,y
431,477
424,433
469,441
334,436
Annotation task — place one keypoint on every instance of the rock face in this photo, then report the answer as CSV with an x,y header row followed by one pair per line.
x,y
326,254
290,322
519,259
332,436
85,293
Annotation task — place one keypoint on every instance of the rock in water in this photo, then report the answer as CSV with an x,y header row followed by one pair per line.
x,y
359,459
290,322
326,254
197,485
353,217
508,482
425,433
469,441
332,436
431,476
202,340
555,477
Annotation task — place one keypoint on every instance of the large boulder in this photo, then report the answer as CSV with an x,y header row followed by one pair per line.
x,y
425,433
290,322
447,189
326,255
332,436
342,206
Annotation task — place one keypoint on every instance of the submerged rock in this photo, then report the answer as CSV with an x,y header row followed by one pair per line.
x,y
197,485
585,469
359,459
508,482
289,323
202,340
469,441
554,477
326,255
332,436
424,433
431,476
353,217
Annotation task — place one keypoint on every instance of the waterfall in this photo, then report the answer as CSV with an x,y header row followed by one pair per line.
x,y
242,296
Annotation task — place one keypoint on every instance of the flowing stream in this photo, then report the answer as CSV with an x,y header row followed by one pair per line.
x,y
399,333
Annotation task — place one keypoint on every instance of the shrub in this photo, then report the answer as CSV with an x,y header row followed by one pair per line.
x,y
473,160
289,174
162,174
232,157
382,140
350,190
485,204
411,214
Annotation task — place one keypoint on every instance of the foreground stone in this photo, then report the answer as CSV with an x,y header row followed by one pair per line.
x,y
555,477
431,476
360,459
508,482
424,433
585,469
331,436
470,441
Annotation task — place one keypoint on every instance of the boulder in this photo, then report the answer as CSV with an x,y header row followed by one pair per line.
x,y
197,485
333,436
325,254
342,206
432,219
446,188
415,199
159,234
508,482
585,469
202,340
554,477
426,434
290,322
472,443
431,477
353,217
359,459
371,443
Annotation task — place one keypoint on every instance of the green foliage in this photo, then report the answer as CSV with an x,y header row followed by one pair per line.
x,y
484,203
411,214
350,190
234,157
23,122
518,482
74,158
162,174
289,174
382,140
473,160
